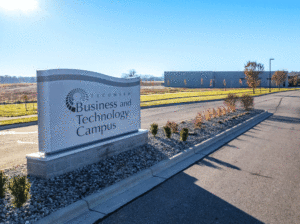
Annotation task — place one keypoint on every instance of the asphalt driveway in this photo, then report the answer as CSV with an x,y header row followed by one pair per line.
x,y
252,179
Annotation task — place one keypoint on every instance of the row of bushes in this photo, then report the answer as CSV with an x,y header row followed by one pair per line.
x,y
230,101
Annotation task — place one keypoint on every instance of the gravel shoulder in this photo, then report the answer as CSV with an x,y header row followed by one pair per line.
x,y
66,189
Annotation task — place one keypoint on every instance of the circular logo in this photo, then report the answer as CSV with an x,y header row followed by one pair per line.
x,y
75,96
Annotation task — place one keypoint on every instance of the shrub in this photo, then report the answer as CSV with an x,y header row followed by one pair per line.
x,y
198,121
167,131
19,188
231,99
197,124
247,101
173,126
3,180
219,112
184,134
214,113
153,129
207,115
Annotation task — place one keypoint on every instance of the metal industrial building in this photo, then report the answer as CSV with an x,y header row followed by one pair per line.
x,y
193,79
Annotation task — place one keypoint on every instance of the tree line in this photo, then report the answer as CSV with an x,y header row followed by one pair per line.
x,y
14,79
132,74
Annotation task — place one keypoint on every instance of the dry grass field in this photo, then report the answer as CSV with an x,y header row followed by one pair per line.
x,y
13,93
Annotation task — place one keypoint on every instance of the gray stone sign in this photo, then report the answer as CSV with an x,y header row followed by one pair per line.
x,y
83,117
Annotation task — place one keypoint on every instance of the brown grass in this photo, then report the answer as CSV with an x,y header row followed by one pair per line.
x,y
12,93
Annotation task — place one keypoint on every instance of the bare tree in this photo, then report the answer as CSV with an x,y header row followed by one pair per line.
x,y
252,71
25,98
279,77
131,74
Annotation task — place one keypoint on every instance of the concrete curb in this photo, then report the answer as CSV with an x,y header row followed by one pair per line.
x,y
101,204
18,125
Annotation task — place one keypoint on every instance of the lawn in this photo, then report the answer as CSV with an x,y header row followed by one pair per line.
x,y
18,121
148,98
16,110
201,96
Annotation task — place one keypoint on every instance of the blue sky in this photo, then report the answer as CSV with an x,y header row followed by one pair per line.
x,y
112,37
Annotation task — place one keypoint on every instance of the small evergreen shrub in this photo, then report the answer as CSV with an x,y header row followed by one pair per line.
x,y
173,126
153,129
19,187
167,131
3,180
247,101
184,134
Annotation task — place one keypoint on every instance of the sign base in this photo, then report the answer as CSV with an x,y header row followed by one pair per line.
x,y
49,166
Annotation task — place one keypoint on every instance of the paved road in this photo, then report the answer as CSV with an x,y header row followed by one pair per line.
x,y
255,178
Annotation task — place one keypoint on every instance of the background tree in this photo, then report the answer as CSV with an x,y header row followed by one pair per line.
x,y
295,80
224,83
252,71
241,82
185,82
279,77
25,98
130,74
210,83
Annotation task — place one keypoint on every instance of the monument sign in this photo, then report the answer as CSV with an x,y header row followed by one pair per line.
x,y
81,110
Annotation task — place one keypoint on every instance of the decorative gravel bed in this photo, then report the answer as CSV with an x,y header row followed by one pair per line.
x,y
56,193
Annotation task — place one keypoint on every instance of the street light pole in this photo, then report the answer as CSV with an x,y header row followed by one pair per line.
x,y
270,75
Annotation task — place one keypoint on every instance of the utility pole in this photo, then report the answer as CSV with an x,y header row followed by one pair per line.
x,y
270,75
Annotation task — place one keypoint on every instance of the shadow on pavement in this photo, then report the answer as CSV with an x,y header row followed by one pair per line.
x,y
209,164
288,96
179,200
222,163
251,136
284,119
